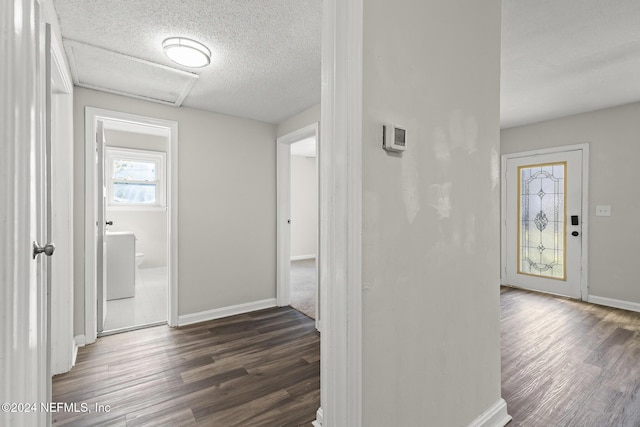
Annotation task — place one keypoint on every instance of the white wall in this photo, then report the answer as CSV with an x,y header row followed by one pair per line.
x,y
304,118
50,16
304,206
431,250
612,135
226,208
148,224
140,141
150,228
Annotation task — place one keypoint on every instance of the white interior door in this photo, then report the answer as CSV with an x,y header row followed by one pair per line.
x,y
101,241
544,222
283,227
23,317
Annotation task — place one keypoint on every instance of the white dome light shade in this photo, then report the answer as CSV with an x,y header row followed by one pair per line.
x,y
187,52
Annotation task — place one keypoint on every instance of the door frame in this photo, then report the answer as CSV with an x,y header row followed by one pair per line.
x,y
340,163
92,115
283,228
60,133
584,242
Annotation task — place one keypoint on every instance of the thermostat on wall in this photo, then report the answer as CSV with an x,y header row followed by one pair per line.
x,y
394,138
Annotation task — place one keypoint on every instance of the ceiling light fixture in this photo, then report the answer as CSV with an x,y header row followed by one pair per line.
x,y
187,52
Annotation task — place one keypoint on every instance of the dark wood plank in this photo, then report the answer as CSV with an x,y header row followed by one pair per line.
x,y
569,363
564,363
259,368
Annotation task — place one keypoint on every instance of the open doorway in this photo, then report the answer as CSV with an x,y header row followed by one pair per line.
x,y
136,226
131,235
298,228
304,226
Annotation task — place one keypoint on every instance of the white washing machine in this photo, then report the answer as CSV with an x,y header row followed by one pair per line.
x,y
121,264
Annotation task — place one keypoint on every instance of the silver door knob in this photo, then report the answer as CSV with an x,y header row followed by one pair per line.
x,y
47,249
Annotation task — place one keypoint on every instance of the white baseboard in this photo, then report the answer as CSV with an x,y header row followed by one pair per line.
x,y
495,416
616,303
74,354
80,340
299,257
318,421
217,313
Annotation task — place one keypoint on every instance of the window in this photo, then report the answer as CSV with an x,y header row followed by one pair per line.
x,y
135,177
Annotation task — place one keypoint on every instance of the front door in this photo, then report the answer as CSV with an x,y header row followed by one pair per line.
x,y
544,222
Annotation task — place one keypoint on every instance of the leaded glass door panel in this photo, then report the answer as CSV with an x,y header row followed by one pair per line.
x,y
544,193
541,222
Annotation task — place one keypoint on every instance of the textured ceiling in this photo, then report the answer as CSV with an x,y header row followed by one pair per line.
x,y
559,57
564,57
266,53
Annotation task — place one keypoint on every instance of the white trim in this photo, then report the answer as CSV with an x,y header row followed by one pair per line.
x,y
340,259
62,75
74,354
309,131
283,201
584,148
92,115
584,283
60,132
80,340
301,257
495,416
90,238
138,128
218,313
318,421
616,303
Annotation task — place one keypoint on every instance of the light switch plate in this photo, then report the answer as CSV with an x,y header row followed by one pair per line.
x,y
603,210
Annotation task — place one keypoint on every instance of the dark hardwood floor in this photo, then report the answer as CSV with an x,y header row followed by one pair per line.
x,y
256,369
569,363
565,363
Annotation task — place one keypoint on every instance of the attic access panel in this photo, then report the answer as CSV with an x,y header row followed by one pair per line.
x,y
101,69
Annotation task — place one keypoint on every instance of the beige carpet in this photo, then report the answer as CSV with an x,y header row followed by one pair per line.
x,y
303,286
